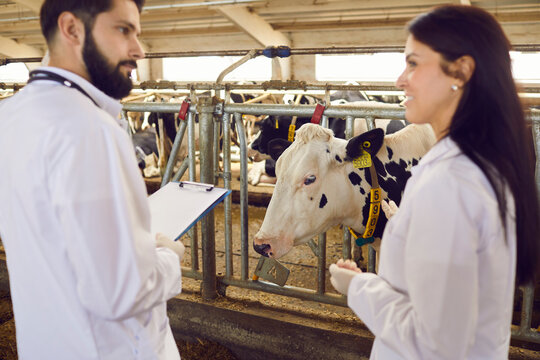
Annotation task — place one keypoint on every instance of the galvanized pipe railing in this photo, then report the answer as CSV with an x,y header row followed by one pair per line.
x,y
244,223
227,177
346,248
174,153
180,88
192,177
321,251
205,109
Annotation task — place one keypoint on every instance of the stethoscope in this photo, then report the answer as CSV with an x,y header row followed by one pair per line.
x,y
47,75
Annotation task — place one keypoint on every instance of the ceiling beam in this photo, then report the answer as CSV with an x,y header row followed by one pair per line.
x,y
34,5
254,25
11,48
262,32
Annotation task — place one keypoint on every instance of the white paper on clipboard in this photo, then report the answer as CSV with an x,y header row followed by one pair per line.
x,y
177,206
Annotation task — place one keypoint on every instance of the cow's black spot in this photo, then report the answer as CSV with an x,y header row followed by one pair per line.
x,y
354,178
362,191
414,162
379,166
323,201
338,158
398,171
328,151
311,198
390,153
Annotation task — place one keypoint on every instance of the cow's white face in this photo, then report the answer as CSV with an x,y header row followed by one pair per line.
x,y
318,187
310,192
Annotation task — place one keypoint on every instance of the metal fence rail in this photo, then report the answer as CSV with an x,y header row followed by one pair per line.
x,y
212,116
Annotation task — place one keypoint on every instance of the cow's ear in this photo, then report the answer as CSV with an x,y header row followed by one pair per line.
x,y
370,141
276,147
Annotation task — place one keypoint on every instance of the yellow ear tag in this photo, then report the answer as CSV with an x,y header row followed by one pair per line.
x,y
277,124
363,161
290,136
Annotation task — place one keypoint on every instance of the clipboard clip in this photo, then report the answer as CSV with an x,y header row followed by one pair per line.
x,y
196,185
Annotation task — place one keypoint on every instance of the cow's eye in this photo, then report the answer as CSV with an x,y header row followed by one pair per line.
x,y
310,179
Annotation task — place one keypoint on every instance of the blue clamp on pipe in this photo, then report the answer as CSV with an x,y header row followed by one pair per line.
x,y
363,241
279,51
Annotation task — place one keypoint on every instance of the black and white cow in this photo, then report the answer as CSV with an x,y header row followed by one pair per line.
x,y
318,187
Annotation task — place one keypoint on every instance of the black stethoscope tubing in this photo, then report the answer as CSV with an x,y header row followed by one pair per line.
x,y
48,75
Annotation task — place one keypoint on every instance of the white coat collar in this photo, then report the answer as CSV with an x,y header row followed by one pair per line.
x,y
105,102
443,149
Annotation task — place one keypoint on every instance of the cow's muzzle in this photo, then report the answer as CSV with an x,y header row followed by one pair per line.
x,y
263,249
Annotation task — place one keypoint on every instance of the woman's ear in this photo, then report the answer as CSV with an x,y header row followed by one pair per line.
x,y
462,69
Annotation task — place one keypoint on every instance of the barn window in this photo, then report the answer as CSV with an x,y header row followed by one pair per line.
x,y
526,66
365,67
388,66
208,68
14,72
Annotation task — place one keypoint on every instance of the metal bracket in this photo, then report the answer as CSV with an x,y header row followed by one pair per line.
x,y
314,247
219,109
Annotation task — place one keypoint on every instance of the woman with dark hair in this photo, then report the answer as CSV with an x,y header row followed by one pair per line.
x,y
468,225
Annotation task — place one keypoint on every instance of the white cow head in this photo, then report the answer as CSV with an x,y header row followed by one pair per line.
x,y
318,186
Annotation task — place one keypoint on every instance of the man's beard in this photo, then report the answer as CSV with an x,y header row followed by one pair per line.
x,y
103,75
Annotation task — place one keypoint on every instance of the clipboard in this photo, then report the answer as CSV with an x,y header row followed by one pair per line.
x,y
177,206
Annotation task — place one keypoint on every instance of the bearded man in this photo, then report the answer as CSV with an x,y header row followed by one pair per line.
x,y
87,279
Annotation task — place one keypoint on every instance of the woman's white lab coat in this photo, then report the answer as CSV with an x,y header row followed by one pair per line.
x,y
446,276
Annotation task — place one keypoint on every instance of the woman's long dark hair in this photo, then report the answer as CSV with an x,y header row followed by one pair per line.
x,y
489,123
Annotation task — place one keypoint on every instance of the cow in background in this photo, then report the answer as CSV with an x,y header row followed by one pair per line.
x,y
143,138
341,97
318,187
277,127
153,138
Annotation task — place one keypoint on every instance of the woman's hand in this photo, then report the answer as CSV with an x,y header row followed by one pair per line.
x,y
341,274
389,208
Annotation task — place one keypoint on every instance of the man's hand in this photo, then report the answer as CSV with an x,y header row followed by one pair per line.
x,y
176,246
341,274
389,208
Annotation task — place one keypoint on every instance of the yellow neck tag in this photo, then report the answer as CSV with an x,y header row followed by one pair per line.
x,y
363,161
374,209
277,124
290,136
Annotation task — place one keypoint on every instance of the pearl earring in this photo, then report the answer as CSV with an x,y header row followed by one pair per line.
x,y
454,87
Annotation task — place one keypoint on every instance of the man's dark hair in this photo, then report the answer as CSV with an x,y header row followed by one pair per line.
x,y
86,10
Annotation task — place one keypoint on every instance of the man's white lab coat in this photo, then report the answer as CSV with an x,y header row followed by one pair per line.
x,y
86,279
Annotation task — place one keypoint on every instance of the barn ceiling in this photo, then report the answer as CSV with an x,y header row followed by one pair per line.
x,y
201,25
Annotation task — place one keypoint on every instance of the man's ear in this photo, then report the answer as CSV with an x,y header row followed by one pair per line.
x,y
463,69
370,141
71,28
276,147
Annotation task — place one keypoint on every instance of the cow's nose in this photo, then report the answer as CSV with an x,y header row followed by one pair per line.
x,y
262,249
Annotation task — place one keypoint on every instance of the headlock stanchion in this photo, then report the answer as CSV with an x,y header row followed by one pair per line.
x,y
206,110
